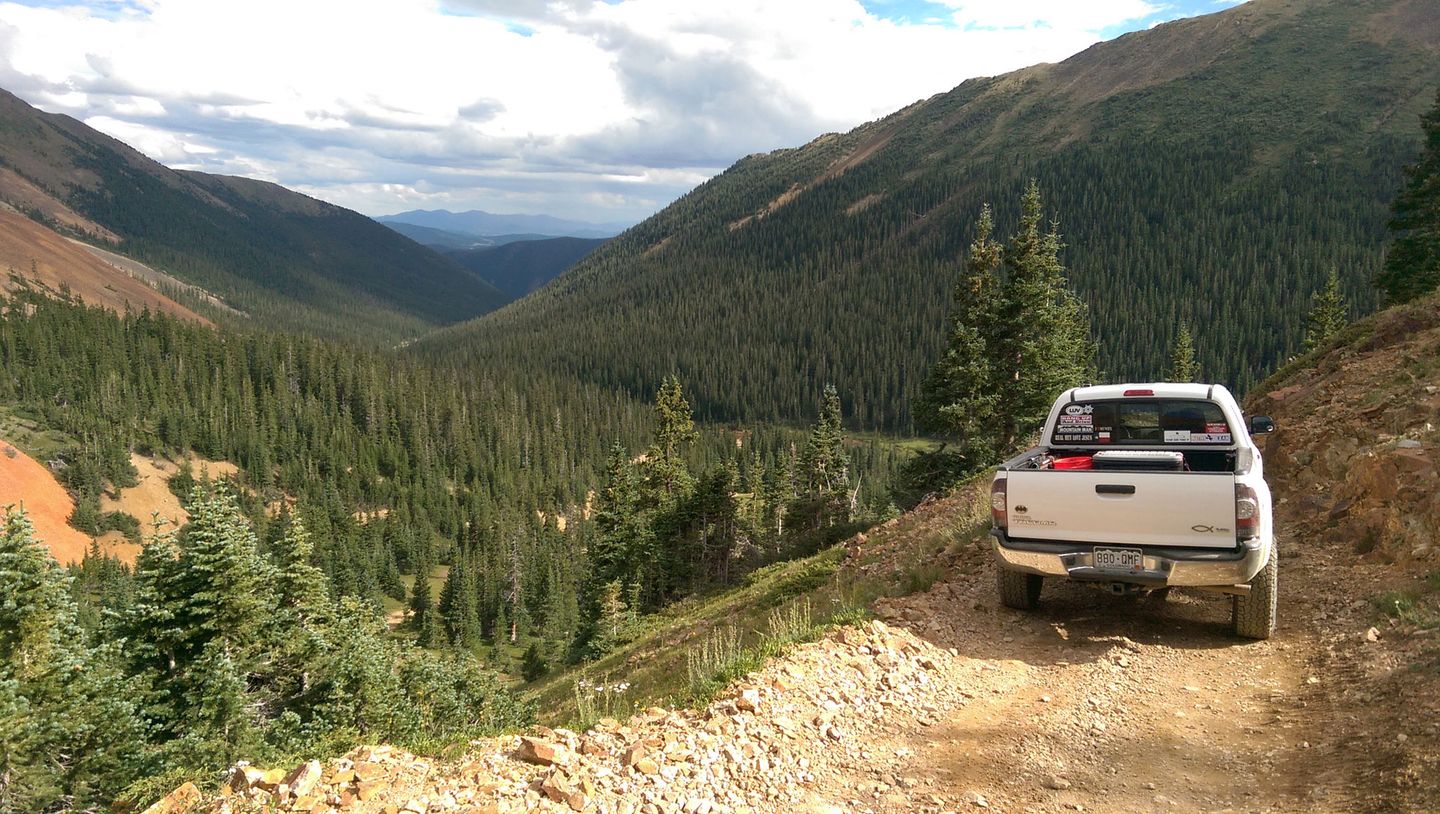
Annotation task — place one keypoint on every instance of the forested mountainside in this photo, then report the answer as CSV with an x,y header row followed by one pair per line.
x,y
1210,171
284,259
34,256
523,266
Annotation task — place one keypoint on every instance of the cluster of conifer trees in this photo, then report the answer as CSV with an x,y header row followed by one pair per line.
x,y
217,647
364,474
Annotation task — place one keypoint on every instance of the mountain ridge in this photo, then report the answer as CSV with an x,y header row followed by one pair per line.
x,y
287,259
1217,190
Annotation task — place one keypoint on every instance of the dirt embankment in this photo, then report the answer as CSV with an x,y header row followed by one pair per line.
x,y
1359,433
151,502
29,484
33,256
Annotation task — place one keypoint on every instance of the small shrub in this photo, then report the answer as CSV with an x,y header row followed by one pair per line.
x,y
606,698
791,623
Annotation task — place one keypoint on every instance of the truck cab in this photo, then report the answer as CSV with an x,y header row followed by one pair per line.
x,y
1138,488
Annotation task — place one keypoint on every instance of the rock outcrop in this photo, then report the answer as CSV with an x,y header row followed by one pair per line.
x,y
1356,450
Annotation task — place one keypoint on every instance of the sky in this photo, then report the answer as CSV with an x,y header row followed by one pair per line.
x,y
598,110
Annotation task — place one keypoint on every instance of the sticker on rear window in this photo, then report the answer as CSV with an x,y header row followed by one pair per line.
x,y
1177,436
1210,438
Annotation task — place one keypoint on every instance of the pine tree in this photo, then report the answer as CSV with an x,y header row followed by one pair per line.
x,y
667,474
533,664
1018,337
958,400
420,595
612,626
824,464
1328,314
622,536
1183,367
459,605
1412,265
302,586
224,588
1041,341
825,468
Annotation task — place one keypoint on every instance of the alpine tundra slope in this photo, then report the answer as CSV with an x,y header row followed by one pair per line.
x,y
1141,487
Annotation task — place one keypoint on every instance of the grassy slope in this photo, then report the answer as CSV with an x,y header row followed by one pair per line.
x,y
772,607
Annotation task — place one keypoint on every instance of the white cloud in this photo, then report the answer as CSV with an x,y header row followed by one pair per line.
x,y
1063,15
576,108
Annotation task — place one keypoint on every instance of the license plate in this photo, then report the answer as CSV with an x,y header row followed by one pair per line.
x,y
1119,559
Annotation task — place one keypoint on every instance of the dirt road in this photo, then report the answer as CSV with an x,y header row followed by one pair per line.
x,y
1099,703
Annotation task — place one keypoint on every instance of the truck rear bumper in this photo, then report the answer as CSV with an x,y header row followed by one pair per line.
x,y
1161,567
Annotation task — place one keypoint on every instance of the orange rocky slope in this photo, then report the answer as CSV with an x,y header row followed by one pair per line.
x,y
34,256
28,484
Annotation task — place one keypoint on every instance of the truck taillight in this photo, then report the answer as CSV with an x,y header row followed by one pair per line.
x,y
998,507
1247,512
1132,393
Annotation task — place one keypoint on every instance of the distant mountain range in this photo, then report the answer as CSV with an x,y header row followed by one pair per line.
x,y
1209,171
280,258
486,224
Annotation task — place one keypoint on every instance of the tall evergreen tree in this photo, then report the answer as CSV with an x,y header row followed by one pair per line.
x,y
1328,314
1412,265
824,464
825,468
621,546
1183,367
613,625
667,473
1018,337
958,400
1041,341
459,604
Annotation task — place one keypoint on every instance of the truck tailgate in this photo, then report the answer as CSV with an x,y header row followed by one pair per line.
x,y
1195,509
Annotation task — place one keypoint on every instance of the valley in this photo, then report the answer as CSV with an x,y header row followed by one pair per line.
x,y
455,511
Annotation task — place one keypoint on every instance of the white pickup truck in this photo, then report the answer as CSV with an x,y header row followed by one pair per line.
x,y
1141,487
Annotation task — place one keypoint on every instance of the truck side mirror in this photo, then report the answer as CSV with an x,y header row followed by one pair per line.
x,y
1261,424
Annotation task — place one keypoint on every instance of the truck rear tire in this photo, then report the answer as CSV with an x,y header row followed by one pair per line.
x,y
1019,590
1253,615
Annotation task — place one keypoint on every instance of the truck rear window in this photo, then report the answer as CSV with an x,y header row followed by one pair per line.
x,y
1142,421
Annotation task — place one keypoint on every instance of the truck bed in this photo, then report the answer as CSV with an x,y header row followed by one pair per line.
x,y
1141,508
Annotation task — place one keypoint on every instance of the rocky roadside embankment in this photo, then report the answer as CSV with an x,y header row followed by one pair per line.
x,y
790,738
